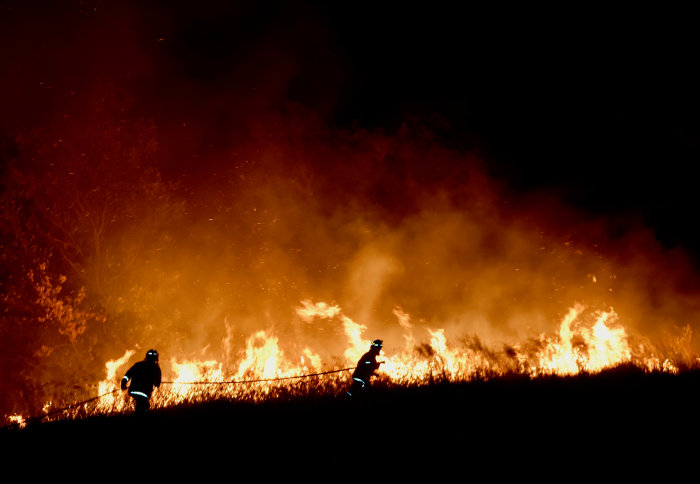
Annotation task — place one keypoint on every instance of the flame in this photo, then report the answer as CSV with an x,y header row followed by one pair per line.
x,y
187,372
262,357
263,370
600,347
111,401
309,310
357,346
18,420
314,360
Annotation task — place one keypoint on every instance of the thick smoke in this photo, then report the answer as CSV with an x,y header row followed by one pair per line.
x,y
182,206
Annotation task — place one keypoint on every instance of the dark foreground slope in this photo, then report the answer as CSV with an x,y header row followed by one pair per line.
x,y
620,424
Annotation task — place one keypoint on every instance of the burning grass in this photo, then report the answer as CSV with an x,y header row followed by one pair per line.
x,y
264,375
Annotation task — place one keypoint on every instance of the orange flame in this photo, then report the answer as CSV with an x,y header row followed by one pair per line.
x,y
574,349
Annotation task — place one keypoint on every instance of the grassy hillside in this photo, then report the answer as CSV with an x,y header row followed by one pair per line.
x,y
621,423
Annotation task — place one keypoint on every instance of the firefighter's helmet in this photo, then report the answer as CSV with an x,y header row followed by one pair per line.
x,y
152,355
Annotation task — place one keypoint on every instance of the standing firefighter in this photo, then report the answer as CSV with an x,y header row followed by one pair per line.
x,y
144,375
366,368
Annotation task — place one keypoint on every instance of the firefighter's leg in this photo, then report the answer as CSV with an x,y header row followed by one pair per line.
x,y
141,403
356,387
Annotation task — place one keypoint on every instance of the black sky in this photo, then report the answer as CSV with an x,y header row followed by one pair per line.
x,y
596,103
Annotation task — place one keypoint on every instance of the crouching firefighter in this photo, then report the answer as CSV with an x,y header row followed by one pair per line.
x,y
366,368
142,378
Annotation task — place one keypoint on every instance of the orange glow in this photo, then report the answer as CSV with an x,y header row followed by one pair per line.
x,y
17,420
282,264
577,347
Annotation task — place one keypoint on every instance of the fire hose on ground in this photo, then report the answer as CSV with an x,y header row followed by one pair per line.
x,y
230,382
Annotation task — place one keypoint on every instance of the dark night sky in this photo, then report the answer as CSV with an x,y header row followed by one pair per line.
x,y
598,104
601,105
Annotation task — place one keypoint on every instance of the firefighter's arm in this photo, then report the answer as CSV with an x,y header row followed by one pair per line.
x,y
127,376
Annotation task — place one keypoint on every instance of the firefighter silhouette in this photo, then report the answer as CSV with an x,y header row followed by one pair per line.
x,y
366,368
142,378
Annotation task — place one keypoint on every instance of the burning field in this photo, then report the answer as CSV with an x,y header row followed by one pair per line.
x,y
261,248
292,260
